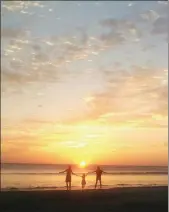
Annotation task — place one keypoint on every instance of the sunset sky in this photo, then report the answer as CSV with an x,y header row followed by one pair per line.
x,y
84,81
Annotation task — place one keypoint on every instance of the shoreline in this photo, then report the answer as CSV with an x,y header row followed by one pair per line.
x,y
136,199
78,188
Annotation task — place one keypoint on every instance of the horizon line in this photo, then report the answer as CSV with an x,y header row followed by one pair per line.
x,y
66,164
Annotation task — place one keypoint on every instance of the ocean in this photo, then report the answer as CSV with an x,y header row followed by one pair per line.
x,y
33,176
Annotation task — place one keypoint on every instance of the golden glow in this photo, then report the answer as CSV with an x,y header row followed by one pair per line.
x,y
86,143
82,164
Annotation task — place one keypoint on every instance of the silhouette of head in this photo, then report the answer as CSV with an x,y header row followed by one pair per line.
x,y
69,167
98,167
83,175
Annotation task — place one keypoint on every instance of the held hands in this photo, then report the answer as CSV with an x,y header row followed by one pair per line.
x,y
77,175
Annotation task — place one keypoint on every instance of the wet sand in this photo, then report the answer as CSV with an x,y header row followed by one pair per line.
x,y
140,199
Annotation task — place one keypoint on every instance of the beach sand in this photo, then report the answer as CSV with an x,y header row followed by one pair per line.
x,y
140,199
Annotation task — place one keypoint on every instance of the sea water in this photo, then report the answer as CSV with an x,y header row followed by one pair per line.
x,y
33,176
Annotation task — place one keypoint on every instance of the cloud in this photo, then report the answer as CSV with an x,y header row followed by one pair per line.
x,y
121,30
74,144
142,94
23,142
112,38
27,60
34,64
12,32
160,26
43,59
150,15
20,6
16,80
148,47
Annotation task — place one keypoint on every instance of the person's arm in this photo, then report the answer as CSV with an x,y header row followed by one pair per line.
x,y
91,172
77,175
63,171
106,172
73,173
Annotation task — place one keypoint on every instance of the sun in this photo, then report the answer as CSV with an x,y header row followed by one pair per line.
x,y
82,164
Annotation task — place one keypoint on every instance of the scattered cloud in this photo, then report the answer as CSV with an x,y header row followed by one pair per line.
x,y
29,59
150,15
11,32
141,94
160,26
21,6
121,30
42,59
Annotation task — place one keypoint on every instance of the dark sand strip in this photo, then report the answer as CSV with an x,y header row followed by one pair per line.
x,y
143,199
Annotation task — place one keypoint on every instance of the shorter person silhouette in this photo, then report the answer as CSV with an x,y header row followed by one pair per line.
x,y
83,182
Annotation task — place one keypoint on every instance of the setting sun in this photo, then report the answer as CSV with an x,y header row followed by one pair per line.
x,y
82,164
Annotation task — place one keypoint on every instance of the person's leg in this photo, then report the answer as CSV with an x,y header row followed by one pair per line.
x,y
96,184
67,186
100,183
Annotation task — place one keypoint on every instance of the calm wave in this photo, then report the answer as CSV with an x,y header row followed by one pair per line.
x,y
31,176
114,173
